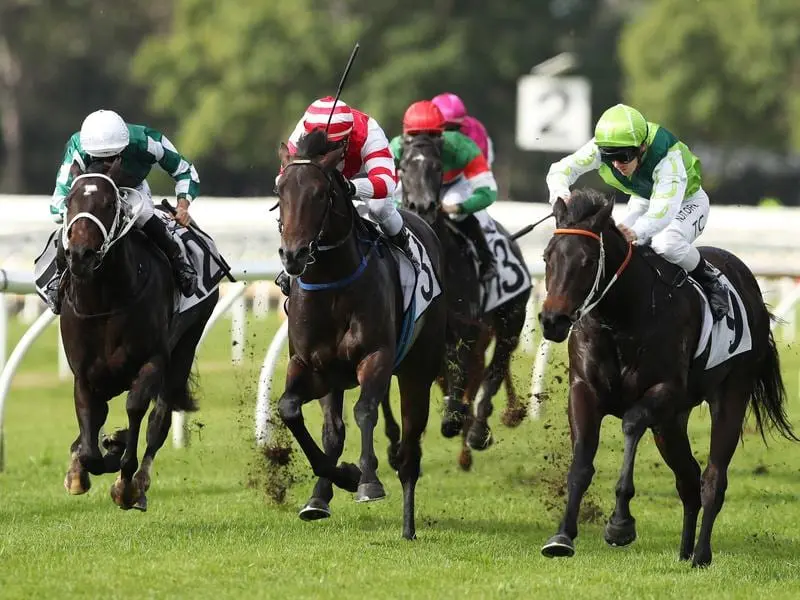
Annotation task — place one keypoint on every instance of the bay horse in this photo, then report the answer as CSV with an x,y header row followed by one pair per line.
x,y
632,356
468,388
120,334
345,312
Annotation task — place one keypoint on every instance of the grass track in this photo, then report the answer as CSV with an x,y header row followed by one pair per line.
x,y
211,532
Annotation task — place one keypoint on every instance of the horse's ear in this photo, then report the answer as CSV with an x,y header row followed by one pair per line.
x,y
75,169
331,159
115,170
560,211
598,221
284,155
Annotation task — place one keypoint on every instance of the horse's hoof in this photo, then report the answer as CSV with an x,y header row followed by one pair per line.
x,y
558,546
141,503
142,480
314,510
77,482
702,558
479,439
451,427
620,534
347,477
370,491
116,442
512,417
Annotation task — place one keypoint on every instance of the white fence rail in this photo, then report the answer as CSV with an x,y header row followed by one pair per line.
x,y
781,290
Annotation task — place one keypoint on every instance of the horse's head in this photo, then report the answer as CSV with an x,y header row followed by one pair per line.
x,y
420,173
307,190
574,261
93,217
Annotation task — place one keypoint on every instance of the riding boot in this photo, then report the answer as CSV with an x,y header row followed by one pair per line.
x,y
471,227
403,241
185,275
53,289
284,282
707,275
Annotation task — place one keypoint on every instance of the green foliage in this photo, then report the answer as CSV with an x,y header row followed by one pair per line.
x,y
723,71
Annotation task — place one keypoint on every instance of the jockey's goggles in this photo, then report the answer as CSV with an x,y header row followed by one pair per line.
x,y
622,155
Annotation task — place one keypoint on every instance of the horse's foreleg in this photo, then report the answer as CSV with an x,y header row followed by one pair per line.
x,y
621,527
333,434
298,391
158,423
148,385
584,422
374,376
673,444
85,451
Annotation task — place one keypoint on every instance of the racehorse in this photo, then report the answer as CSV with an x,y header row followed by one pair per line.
x,y
465,383
120,334
345,312
633,356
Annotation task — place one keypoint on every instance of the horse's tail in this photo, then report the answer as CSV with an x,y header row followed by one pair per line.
x,y
768,399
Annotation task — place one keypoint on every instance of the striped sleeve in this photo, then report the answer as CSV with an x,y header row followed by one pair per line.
x,y
187,181
565,172
72,154
477,173
378,163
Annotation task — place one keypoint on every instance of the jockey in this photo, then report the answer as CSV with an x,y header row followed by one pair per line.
x,y
668,208
457,119
104,136
367,167
468,184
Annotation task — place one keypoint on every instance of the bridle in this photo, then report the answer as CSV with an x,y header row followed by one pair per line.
x,y
314,245
590,302
110,235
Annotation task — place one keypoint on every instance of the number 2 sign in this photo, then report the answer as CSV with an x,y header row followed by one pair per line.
x,y
553,113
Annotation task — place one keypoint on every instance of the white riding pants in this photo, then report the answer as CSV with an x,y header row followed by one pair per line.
x,y
674,242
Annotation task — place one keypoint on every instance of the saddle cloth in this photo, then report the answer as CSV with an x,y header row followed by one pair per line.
x,y
728,337
209,273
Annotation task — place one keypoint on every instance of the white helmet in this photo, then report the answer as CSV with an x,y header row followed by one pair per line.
x,y
104,133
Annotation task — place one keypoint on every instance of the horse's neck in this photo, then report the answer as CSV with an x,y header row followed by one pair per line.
x,y
112,286
336,263
630,300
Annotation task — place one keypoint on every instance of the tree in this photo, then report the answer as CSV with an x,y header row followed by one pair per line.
x,y
726,71
58,62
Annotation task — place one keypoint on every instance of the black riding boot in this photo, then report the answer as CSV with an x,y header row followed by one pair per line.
x,y
707,275
185,275
471,227
402,241
53,289
284,282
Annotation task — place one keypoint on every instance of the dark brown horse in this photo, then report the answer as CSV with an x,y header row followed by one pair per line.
x,y
468,385
635,325
120,334
345,313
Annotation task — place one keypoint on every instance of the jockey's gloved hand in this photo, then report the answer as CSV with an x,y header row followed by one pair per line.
x,y
351,188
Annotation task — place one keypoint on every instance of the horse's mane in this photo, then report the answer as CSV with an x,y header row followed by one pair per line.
x,y
315,144
584,203
422,142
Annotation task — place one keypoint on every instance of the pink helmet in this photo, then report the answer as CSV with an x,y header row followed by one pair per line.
x,y
452,108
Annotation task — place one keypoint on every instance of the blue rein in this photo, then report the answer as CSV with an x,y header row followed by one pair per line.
x,y
341,283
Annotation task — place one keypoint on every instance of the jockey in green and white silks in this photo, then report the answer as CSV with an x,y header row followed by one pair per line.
x,y
668,208
104,136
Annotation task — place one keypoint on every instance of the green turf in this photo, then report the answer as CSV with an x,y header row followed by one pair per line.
x,y
212,532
